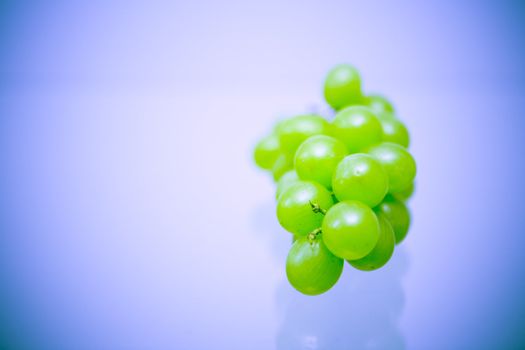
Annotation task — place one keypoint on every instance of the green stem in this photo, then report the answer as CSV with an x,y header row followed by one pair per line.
x,y
313,235
317,209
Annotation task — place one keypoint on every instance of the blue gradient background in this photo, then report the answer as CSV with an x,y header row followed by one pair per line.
x,y
131,216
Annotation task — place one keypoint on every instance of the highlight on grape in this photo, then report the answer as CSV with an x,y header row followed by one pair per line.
x,y
341,185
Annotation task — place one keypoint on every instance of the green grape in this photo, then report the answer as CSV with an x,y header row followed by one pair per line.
x,y
350,230
394,131
360,177
357,127
311,268
378,103
266,152
286,180
295,210
342,87
398,163
292,132
397,213
283,163
385,115
407,193
317,157
383,250
278,124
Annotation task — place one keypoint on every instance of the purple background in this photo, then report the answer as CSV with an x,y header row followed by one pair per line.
x,y
132,217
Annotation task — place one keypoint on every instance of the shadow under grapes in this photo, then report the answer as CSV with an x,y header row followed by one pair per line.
x,y
360,312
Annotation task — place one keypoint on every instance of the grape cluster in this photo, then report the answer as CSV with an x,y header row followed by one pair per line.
x,y
341,184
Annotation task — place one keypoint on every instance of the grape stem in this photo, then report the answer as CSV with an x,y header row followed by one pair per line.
x,y
316,208
313,235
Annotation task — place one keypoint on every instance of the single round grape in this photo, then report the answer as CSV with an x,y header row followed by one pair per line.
x,y
350,230
294,207
398,163
360,177
406,194
286,180
342,86
292,132
397,213
357,127
378,103
383,250
283,163
311,268
317,157
266,152
394,131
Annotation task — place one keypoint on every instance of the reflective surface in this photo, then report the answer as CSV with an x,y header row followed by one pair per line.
x,y
132,216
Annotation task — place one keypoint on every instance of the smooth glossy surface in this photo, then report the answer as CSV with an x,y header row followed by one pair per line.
x,y
350,230
394,131
383,250
317,157
285,181
398,163
342,86
406,194
294,207
357,127
266,152
283,164
311,268
360,177
397,213
133,217
293,131
379,103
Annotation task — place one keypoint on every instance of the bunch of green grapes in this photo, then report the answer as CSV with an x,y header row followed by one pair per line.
x,y
341,185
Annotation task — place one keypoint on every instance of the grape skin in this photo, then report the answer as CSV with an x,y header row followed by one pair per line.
x,y
266,152
360,177
394,131
317,157
407,193
398,163
311,268
357,127
397,213
292,132
294,207
350,230
285,181
383,250
283,163
379,103
342,87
